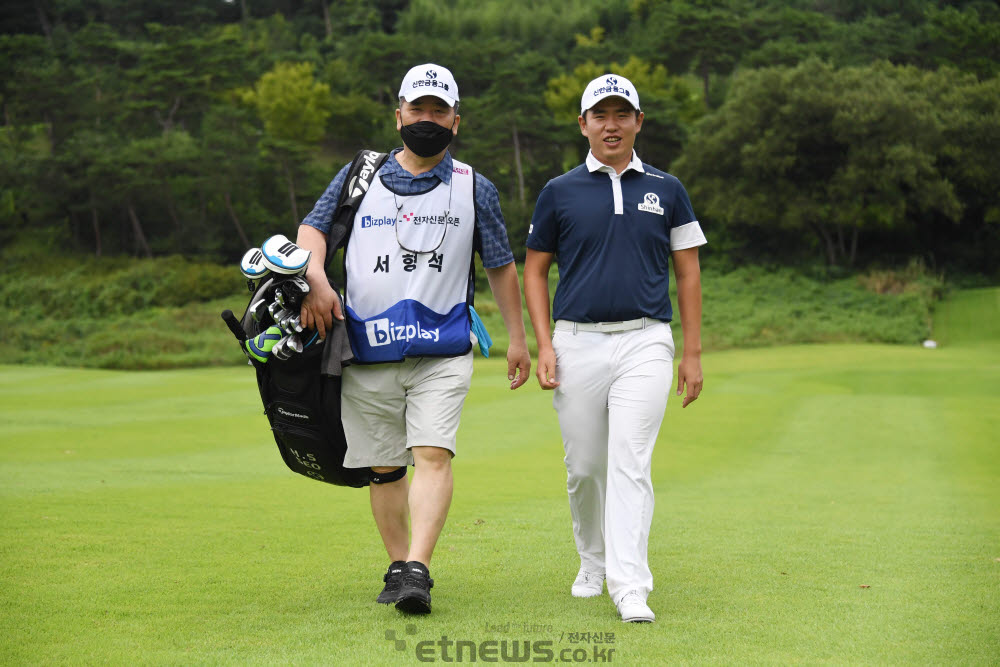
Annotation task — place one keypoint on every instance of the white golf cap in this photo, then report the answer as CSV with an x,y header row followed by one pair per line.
x,y
429,79
608,85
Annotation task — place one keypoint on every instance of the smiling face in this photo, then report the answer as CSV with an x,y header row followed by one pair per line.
x,y
610,126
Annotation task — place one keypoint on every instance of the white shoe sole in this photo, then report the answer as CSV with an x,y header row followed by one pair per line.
x,y
587,594
636,613
638,619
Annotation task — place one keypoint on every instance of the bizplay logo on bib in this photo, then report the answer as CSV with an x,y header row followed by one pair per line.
x,y
651,204
368,221
383,332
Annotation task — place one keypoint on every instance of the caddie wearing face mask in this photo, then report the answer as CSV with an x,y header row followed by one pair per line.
x,y
409,269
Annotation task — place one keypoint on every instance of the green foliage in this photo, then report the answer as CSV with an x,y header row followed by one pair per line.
x,y
142,129
967,38
757,307
71,288
161,313
704,37
164,313
546,26
837,155
291,103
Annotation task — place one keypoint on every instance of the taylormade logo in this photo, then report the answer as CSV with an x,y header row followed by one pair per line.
x,y
359,184
295,415
383,332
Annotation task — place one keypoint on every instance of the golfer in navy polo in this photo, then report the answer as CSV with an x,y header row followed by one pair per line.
x,y
613,224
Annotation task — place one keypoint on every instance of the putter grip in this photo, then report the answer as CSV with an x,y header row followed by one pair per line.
x,y
234,325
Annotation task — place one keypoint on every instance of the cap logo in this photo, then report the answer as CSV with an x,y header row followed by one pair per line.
x,y
612,81
431,74
430,83
612,89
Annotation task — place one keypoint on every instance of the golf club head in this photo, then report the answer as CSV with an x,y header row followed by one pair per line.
x,y
283,349
293,291
290,324
280,314
299,283
257,309
274,309
282,256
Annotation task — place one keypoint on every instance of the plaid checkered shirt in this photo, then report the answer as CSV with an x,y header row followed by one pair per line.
x,y
496,250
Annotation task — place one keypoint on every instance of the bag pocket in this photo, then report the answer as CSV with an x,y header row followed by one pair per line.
x,y
308,453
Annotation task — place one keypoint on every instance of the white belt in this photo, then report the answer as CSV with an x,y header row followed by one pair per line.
x,y
606,327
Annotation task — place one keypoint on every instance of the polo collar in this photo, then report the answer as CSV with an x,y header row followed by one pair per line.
x,y
593,164
442,169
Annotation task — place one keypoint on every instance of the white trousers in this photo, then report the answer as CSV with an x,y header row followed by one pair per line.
x,y
610,400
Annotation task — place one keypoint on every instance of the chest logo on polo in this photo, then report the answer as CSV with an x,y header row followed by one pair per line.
x,y
651,204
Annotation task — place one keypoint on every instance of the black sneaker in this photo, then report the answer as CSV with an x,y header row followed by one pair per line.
x,y
393,578
415,592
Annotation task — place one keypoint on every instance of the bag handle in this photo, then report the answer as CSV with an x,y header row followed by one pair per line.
x,y
359,178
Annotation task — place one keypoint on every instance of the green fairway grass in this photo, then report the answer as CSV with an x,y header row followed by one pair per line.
x,y
970,316
819,504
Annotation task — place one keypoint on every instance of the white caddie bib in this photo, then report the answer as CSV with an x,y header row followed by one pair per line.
x,y
408,270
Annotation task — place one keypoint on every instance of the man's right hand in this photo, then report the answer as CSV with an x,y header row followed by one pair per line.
x,y
320,306
546,371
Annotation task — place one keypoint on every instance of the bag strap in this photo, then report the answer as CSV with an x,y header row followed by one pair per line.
x,y
359,177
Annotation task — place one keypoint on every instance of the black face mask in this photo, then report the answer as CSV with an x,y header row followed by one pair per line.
x,y
425,138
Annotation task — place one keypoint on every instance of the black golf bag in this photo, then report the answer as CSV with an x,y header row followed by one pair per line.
x,y
301,401
303,406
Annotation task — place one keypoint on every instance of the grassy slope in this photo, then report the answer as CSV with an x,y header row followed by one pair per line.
x,y
164,313
147,518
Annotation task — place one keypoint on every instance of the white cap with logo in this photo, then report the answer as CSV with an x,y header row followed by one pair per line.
x,y
608,85
429,79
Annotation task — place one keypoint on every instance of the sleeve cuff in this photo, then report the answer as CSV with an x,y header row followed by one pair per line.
x,y
687,236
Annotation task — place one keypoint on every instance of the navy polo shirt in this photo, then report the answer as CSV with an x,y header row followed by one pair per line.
x,y
612,236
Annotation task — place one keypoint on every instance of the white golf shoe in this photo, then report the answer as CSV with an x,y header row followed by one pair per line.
x,y
633,609
587,585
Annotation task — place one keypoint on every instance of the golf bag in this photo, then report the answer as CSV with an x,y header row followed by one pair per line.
x,y
302,403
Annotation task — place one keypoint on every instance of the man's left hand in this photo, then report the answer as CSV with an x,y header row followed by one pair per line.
x,y
689,376
518,364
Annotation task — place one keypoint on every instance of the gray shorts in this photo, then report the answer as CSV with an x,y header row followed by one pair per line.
x,y
388,408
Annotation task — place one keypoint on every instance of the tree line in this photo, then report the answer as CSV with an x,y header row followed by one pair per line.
x,y
843,131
